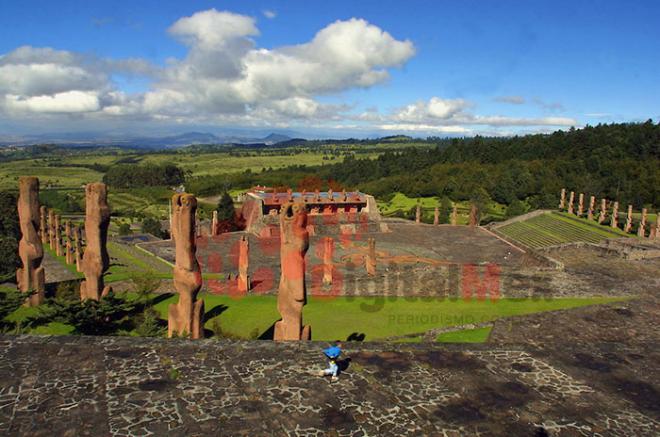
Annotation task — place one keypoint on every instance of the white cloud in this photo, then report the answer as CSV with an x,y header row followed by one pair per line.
x,y
269,14
65,102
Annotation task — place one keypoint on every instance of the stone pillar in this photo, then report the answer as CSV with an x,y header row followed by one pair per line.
x,y
571,199
436,216
43,225
77,247
68,249
331,196
289,195
562,199
59,250
656,229
344,196
580,205
629,219
31,276
370,260
328,266
51,229
454,216
592,205
214,224
418,214
243,280
615,215
292,293
641,231
95,261
474,216
186,317
603,211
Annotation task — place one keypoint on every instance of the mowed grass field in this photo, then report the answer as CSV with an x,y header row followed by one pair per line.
x,y
340,317
557,228
402,203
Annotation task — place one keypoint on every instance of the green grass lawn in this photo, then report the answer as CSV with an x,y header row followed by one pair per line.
x,y
377,318
402,203
558,228
338,318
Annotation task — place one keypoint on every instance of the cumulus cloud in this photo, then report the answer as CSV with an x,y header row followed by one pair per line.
x,y
226,78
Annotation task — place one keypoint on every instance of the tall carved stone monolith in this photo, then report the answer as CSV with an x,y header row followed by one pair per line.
x,y
474,216
592,205
629,219
653,233
562,199
454,216
95,260
214,224
31,277
292,293
43,225
603,211
51,229
580,210
370,261
328,266
615,215
77,247
656,234
436,216
186,317
243,280
641,231
571,199
418,214
68,248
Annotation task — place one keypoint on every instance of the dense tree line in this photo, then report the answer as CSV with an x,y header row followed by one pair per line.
x,y
134,176
617,161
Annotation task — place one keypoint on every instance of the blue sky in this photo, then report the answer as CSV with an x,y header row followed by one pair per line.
x,y
327,68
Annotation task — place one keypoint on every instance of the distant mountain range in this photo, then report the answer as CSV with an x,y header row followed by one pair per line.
x,y
82,139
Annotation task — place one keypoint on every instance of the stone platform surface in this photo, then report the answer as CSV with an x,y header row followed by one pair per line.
x,y
122,386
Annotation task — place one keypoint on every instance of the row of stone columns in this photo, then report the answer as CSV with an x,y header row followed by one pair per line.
x,y
40,226
51,233
474,215
654,229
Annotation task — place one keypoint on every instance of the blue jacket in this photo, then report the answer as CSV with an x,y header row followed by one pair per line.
x,y
332,352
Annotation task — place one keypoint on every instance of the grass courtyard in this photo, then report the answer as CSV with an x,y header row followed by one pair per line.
x,y
370,318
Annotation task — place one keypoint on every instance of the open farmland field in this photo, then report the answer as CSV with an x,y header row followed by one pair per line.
x,y
557,228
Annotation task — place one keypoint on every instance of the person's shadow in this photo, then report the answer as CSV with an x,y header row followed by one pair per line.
x,y
343,364
356,336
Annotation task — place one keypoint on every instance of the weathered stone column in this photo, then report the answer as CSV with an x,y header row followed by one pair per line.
x,y
592,205
615,215
571,199
436,216
77,234
214,224
243,280
59,250
580,205
562,199
656,228
370,260
68,248
418,214
95,260
474,216
31,276
629,219
653,233
328,266
43,225
51,229
454,215
292,293
641,231
186,317
603,211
